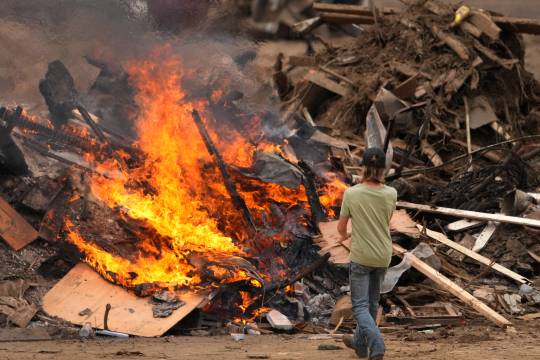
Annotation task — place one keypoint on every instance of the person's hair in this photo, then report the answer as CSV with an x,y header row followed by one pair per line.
x,y
373,174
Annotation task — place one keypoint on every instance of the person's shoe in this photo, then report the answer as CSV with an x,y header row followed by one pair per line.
x,y
348,340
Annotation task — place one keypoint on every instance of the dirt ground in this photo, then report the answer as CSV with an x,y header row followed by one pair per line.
x,y
456,344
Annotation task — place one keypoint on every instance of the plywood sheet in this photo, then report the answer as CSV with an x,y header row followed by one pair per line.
x,y
14,229
329,242
83,288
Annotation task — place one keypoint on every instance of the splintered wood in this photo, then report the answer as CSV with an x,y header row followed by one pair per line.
x,y
82,288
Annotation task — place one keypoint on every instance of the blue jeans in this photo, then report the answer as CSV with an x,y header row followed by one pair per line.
x,y
365,293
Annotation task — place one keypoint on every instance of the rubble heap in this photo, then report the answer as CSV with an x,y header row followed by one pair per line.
x,y
446,96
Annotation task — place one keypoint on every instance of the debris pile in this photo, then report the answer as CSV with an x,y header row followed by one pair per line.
x,y
220,217
443,89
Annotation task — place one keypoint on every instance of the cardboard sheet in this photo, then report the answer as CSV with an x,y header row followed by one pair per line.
x,y
329,242
82,288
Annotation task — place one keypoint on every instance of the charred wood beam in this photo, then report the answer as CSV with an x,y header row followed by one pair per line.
x,y
320,262
24,122
39,148
229,183
101,136
317,210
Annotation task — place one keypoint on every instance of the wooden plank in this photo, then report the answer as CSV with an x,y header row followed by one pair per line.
x,y
351,9
529,317
533,255
462,225
471,29
14,229
83,288
485,235
302,60
469,214
320,79
520,25
342,310
329,242
431,153
452,42
485,23
337,18
473,255
453,288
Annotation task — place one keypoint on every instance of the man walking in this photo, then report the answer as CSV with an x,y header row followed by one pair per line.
x,y
369,205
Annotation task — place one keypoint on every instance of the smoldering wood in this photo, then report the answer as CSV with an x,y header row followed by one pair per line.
x,y
58,89
37,147
229,183
53,135
317,210
101,136
11,155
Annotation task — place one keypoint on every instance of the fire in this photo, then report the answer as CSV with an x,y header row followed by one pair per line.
x,y
178,193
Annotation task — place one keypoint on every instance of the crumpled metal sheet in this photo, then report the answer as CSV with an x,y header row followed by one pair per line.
x,y
272,168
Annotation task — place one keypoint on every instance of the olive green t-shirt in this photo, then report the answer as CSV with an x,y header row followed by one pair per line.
x,y
370,210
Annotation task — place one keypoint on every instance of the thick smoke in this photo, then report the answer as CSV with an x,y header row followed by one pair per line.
x,y
36,32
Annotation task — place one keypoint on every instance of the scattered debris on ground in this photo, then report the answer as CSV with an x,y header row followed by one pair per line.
x,y
219,220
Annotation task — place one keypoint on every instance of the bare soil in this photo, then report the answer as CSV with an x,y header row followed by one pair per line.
x,y
456,344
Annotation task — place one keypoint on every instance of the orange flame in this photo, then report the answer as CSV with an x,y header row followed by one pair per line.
x,y
175,191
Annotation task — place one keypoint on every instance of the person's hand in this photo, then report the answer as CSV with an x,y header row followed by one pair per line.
x,y
343,238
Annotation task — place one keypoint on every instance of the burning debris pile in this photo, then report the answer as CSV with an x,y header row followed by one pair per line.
x,y
168,187
203,200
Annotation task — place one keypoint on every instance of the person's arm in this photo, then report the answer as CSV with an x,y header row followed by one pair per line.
x,y
344,217
342,227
